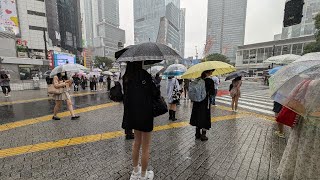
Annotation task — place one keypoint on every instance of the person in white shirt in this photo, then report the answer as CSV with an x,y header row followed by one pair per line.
x,y
216,81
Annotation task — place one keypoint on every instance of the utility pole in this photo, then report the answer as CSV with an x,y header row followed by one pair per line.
x,y
196,52
45,44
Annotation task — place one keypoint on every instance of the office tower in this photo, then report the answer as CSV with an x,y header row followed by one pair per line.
x,y
225,27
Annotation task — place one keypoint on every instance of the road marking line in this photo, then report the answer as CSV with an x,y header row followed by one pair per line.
x,y
271,118
94,138
13,125
41,99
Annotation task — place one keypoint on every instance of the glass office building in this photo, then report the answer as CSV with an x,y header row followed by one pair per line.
x,y
306,28
225,27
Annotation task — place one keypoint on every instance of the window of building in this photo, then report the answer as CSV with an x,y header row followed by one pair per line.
x,y
268,52
36,13
297,49
260,55
253,53
277,50
286,49
246,54
27,72
245,62
37,28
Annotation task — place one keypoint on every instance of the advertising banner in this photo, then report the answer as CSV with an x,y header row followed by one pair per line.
x,y
61,58
8,17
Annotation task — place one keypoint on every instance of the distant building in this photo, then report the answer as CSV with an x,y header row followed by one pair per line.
x,y
251,56
225,27
33,22
159,21
182,31
306,28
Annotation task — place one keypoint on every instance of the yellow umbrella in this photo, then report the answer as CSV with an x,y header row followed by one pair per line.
x,y
196,70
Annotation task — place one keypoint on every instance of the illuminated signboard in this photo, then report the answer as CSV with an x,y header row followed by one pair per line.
x,y
61,58
8,17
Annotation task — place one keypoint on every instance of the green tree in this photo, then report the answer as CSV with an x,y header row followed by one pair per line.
x,y
314,46
216,57
103,62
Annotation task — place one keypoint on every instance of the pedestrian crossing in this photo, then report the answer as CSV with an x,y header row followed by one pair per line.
x,y
258,101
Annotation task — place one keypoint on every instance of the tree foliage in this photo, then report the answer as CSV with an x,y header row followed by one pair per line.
x,y
103,62
216,57
314,46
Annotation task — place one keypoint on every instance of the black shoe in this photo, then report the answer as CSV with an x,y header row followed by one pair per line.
x,y
203,136
173,116
75,117
129,136
55,118
198,134
170,115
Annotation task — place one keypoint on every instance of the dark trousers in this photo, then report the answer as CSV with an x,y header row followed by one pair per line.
x,y
109,85
6,89
76,87
93,86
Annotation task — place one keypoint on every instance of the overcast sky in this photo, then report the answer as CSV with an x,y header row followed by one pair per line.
x,y
264,20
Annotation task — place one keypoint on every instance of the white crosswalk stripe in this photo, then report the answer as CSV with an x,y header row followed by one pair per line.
x,y
258,101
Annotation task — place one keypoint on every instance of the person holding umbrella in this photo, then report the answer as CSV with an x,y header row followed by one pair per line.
x,y
5,84
173,93
201,111
139,93
235,92
60,80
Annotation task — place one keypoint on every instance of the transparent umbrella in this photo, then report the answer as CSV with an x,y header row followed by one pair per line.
x,y
301,92
282,59
154,70
67,68
175,70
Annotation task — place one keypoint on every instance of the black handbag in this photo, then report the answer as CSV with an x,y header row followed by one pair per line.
x,y
159,106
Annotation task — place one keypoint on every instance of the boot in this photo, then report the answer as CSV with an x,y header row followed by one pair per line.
x,y
129,134
173,116
198,134
203,135
170,114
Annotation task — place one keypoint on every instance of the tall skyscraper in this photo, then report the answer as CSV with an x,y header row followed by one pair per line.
x,y
64,25
306,28
158,21
101,21
225,27
182,30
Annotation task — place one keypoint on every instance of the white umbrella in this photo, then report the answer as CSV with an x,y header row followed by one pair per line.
x,y
67,68
96,70
282,59
97,74
107,73
154,70
310,56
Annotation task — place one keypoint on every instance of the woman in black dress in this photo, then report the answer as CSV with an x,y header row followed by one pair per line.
x,y
139,91
201,111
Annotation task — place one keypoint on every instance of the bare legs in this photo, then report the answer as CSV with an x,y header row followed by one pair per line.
x,y
234,103
141,139
58,106
173,107
279,133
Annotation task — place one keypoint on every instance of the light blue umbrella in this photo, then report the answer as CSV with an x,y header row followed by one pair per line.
x,y
274,70
175,70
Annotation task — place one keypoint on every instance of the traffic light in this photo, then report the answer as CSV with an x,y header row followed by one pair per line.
x,y
293,12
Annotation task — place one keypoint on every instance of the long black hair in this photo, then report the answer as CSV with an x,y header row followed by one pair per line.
x,y
131,70
204,73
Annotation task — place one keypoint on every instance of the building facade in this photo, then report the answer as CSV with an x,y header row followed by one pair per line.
x,y
225,27
33,25
159,21
109,37
251,56
306,28
182,31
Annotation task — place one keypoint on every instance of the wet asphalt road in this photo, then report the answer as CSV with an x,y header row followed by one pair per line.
x,y
17,112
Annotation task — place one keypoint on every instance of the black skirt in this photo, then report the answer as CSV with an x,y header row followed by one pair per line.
x,y
201,114
277,107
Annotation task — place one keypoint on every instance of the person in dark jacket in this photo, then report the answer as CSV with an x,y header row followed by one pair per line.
x,y
108,83
201,111
76,82
139,92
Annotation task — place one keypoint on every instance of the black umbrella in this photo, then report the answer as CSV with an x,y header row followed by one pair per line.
x,y
149,52
236,74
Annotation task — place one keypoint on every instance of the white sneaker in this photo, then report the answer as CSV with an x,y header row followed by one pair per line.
x,y
149,176
6,96
135,175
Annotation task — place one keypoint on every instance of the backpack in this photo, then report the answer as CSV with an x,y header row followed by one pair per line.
x,y
230,87
197,90
116,93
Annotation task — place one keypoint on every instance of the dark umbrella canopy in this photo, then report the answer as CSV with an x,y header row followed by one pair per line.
x,y
149,52
236,74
